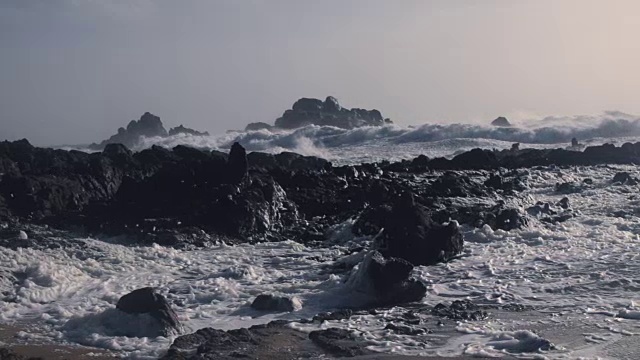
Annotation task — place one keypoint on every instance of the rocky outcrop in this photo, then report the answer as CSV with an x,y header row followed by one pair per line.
x,y
386,280
185,130
501,122
340,343
10,354
149,125
181,196
237,164
269,302
307,111
410,234
258,126
148,301
624,178
274,340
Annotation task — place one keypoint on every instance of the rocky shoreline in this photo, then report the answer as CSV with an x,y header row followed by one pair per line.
x,y
186,198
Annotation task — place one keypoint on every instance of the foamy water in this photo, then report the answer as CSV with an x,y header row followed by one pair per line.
x,y
586,267
397,142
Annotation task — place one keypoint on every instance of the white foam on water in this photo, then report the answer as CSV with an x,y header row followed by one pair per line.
x,y
587,265
76,297
396,142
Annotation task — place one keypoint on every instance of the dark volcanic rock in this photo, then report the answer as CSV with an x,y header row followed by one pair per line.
x,y
391,280
175,196
460,310
257,126
338,342
505,183
336,315
497,216
453,184
624,178
404,329
410,234
148,301
149,125
237,164
328,113
568,188
211,343
501,121
185,130
8,354
270,341
268,302
476,159
387,280
372,220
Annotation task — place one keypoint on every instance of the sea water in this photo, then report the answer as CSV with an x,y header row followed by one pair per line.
x,y
585,269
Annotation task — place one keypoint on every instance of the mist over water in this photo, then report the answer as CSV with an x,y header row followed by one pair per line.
x,y
394,142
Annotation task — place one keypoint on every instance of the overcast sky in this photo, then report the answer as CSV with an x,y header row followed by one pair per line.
x,y
73,71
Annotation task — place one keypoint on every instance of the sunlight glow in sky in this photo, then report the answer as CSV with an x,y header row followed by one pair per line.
x,y
73,71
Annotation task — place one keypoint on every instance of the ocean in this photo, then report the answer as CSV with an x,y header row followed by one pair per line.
x,y
576,281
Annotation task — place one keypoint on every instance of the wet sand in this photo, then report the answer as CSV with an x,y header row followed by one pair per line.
x,y
10,341
576,334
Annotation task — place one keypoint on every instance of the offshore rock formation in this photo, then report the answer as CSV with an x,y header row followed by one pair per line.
x,y
258,126
185,130
308,111
501,121
149,125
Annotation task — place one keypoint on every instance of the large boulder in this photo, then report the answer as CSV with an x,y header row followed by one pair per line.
x,y
624,178
149,125
148,301
331,105
237,164
410,234
501,122
340,343
269,302
307,111
386,280
185,130
257,126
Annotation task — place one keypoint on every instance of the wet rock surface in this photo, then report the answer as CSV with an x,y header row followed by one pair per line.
x,y
269,302
460,310
308,111
148,125
410,234
148,301
176,196
410,210
8,354
270,341
338,342
390,280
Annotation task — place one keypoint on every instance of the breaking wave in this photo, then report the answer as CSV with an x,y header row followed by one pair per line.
x,y
549,130
395,142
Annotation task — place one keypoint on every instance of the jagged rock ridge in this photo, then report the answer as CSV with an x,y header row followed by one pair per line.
x,y
149,125
308,111
501,122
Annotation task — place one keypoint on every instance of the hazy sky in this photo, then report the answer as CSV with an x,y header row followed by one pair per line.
x,y
73,71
